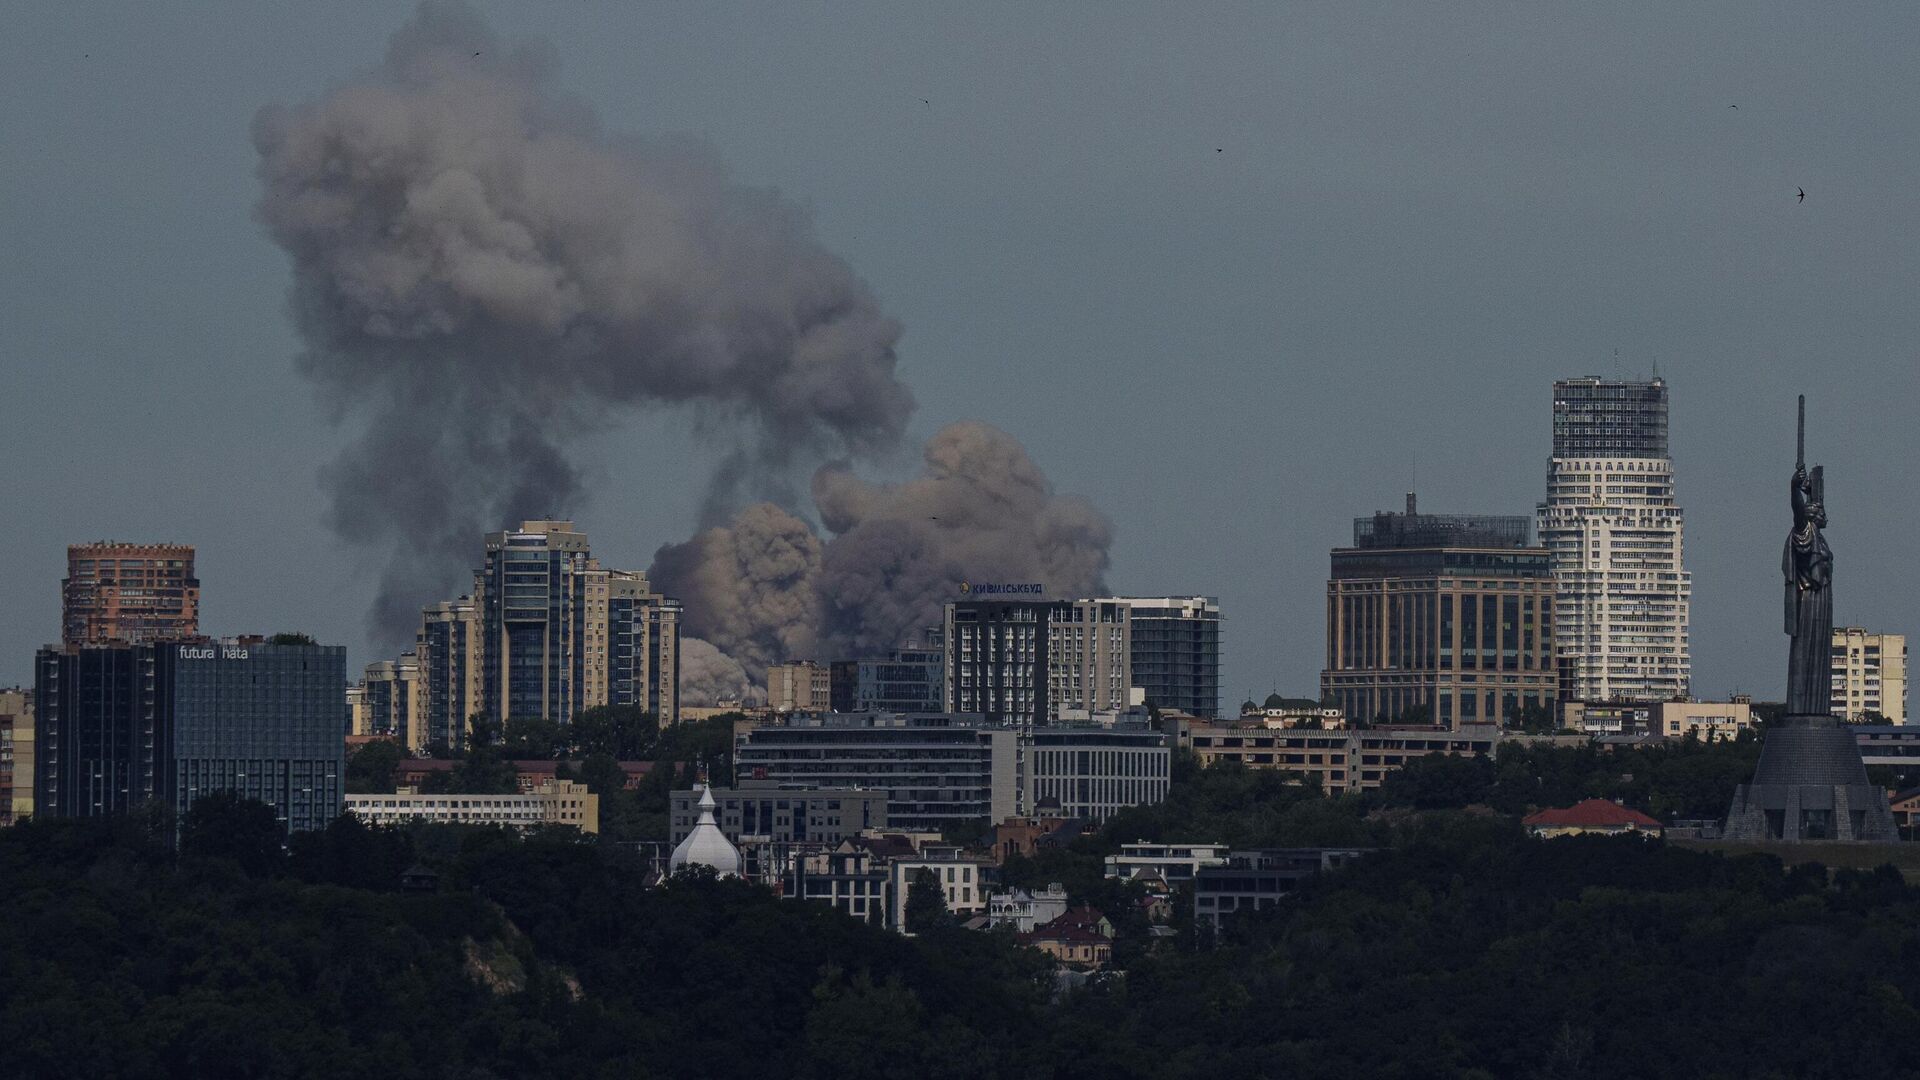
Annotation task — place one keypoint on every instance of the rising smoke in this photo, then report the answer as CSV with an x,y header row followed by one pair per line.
x,y
481,276
763,589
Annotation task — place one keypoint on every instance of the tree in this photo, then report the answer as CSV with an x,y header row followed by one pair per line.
x,y
227,825
290,639
528,738
624,732
926,903
371,768
603,776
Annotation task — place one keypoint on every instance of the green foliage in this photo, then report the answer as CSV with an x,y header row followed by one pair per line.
x,y
530,738
926,903
622,732
290,639
224,825
1686,779
370,769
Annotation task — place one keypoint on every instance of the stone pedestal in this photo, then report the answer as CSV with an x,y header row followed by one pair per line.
x,y
1810,786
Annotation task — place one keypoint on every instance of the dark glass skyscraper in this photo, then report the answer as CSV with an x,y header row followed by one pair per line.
x,y
170,721
1176,651
1603,418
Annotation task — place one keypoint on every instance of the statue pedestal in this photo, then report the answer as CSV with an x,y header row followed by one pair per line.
x,y
1810,785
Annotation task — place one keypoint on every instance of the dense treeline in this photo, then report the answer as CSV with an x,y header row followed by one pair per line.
x,y
1462,949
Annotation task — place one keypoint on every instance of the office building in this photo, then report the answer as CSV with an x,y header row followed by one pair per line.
x,y
781,815
936,769
1438,619
553,802
132,593
16,755
849,876
1617,541
1171,863
905,680
1869,676
1353,759
1175,651
1033,661
118,726
802,686
448,657
1092,771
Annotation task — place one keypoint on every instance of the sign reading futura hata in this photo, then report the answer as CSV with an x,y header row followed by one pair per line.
x,y
213,652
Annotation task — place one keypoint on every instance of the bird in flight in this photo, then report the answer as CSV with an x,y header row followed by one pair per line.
x,y
927,103
1803,195
1733,106
476,54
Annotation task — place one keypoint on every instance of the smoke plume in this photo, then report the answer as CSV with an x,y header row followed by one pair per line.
x,y
764,589
482,276
709,676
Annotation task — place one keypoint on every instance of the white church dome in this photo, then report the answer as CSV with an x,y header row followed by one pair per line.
x,y
706,845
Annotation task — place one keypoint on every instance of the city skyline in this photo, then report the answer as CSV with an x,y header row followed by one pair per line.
x,y
1712,281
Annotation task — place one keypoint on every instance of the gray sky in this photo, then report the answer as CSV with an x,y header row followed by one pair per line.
x,y
1418,218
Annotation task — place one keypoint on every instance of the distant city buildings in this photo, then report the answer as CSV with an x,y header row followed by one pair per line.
x,y
133,593
905,680
120,725
1869,675
552,802
1259,878
1437,619
546,633
1616,537
767,813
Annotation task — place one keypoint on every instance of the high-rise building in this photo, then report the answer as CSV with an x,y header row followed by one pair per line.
x,y
1035,661
802,685
129,592
1439,619
1175,651
122,725
1616,537
449,657
16,755
1869,675
533,587
561,634
643,647
395,700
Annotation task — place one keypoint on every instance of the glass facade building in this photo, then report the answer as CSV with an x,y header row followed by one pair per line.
x,y
1605,418
1175,651
120,726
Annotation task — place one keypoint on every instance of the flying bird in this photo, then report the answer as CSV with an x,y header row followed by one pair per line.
x,y
476,53
1803,195
1733,106
927,103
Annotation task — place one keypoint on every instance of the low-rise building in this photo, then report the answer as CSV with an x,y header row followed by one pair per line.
x,y
961,879
1172,863
1080,939
1024,910
555,802
1339,761
851,877
1708,721
1259,878
1590,816
1030,835
417,772
767,812
1093,771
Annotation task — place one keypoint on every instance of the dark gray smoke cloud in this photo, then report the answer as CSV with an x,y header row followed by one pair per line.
x,y
763,589
481,275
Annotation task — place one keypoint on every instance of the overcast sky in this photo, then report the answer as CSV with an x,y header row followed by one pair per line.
x,y
1228,271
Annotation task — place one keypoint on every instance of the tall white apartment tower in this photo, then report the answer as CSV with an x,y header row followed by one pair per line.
x,y
1616,541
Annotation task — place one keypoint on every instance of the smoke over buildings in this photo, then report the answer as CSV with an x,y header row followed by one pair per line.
x,y
481,276
764,589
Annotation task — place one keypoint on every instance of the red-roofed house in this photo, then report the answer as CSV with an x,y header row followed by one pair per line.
x,y
1602,816
1082,939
